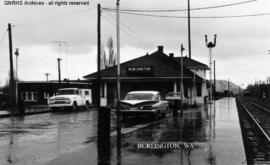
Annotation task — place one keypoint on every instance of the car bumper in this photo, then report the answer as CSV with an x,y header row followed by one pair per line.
x,y
59,105
138,112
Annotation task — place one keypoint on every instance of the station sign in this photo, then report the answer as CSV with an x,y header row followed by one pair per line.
x,y
140,70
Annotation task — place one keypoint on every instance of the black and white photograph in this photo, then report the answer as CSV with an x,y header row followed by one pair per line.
x,y
141,82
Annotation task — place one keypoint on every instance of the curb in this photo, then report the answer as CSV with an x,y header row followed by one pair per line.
x,y
25,114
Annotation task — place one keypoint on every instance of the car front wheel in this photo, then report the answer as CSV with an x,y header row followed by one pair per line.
x,y
87,105
74,107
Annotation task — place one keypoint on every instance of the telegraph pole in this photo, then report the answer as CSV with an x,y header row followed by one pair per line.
x,y
60,44
181,80
118,82
12,86
98,55
103,111
189,37
17,55
214,79
194,88
228,87
16,79
59,70
210,46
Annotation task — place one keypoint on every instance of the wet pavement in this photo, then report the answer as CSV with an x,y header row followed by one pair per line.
x,y
203,135
36,139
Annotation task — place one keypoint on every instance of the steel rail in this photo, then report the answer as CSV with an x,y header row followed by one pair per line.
x,y
259,106
255,121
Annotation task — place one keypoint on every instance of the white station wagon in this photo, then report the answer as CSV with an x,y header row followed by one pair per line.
x,y
141,103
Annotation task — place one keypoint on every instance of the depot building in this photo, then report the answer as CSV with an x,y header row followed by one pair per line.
x,y
157,71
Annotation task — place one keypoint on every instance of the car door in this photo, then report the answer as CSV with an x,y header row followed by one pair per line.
x,y
165,103
80,98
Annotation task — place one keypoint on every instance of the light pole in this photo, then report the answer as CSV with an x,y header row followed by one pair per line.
x,y
210,45
47,76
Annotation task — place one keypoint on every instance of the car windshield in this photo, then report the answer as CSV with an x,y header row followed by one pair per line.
x,y
141,96
174,94
67,92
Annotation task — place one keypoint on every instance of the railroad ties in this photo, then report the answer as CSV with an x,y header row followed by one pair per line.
x,y
255,126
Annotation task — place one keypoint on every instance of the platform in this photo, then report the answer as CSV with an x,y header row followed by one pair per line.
x,y
210,136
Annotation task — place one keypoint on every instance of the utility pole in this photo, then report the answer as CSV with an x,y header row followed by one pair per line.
x,y
17,55
215,79
189,37
59,70
12,86
194,88
98,54
181,81
118,82
17,79
228,87
210,45
47,76
103,112
60,45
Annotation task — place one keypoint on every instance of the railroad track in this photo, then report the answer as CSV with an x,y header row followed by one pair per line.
x,y
255,126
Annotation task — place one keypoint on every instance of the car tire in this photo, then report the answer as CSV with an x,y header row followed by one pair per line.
x,y
87,105
165,112
54,109
74,107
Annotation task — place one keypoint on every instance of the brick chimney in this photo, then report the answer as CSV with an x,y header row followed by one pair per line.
x,y
160,49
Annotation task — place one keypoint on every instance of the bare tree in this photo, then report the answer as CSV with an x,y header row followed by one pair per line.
x,y
103,62
108,56
112,55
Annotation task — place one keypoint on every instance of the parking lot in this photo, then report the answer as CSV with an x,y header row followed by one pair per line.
x,y
70,137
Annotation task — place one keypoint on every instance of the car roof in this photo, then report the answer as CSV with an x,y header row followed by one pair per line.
x,y
147,92
67,88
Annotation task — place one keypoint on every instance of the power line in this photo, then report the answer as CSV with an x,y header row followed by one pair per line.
x,y
197,17
134,33
128,32
3,37
50,19
180,10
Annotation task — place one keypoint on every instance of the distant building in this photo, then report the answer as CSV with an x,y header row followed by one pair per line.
x,y
156,71
222,86
38,92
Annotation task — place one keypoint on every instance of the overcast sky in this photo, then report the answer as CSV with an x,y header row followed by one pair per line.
x,y
241,52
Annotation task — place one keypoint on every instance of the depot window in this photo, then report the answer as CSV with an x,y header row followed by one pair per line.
x,y
29,96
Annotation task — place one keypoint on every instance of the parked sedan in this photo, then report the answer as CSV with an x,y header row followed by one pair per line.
x,y
174,99
143,103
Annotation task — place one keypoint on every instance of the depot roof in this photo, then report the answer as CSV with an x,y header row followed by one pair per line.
x,y
157,65
191,63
